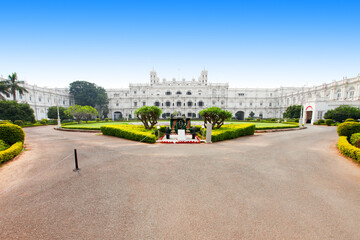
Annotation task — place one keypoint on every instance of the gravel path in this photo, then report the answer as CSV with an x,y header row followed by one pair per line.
x,y
284,185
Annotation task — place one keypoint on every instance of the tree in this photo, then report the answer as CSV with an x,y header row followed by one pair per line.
x,y
343,112
148,115
293,111
86,93
216,116
11,110
3,90
12,85
52,113
82,112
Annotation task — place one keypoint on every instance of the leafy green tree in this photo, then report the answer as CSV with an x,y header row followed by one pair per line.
x,y
216,116
52,113
82,112
86,93
11,110
148,115
292,111
342,113
12,85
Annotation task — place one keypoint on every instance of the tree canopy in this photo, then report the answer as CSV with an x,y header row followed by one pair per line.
x,y
11,85
148,115
216,116
86,93
52,113
343,112
11,110
82,112
292,111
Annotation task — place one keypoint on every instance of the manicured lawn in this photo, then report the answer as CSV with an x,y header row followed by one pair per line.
x,y
93,126
267,125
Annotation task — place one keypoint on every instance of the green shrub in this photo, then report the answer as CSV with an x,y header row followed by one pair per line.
x,y
52,122
273,120
350,120
11,152
258,119
44,121
97,119
320,121
355,139
131,132
19,123
347,149
348,128
3,145
11,133
106,119
249,118
232,131
329,122
296,120
5,122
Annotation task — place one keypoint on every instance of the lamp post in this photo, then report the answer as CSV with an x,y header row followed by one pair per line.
x,y
203,127
58,117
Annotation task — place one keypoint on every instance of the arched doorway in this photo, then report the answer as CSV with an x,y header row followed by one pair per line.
x,y
239,115
117,115
308,114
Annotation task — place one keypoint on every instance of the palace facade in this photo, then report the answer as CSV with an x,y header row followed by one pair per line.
x,y
190,97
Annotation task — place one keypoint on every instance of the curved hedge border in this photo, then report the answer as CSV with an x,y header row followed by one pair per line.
x,y
11,152
347,149
232,131
131,132
355,139
296,125
13,135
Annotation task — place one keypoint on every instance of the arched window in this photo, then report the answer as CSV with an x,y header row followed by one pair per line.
x,y
168,93
338,94
189,103
178,104
188,92
351,93
199,92
135,104
201,104
178,93
167,103
157,103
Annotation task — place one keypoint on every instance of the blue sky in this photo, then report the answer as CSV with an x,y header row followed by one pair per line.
x,y
244,43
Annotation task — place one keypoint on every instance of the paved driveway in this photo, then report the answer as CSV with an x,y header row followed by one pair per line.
x,y
285,185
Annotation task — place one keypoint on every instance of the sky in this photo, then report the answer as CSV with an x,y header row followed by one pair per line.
x,y
243,43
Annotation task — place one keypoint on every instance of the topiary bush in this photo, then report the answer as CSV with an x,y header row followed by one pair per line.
x,y
348,128
350,120
3,145
320,121
5,122
232,131
347,149
44,121
19,123
273,120
355,140
106,119
11,133
329,122
131,132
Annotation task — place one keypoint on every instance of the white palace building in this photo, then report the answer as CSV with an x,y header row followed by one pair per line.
x,y
190,97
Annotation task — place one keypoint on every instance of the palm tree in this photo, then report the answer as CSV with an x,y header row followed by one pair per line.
x,y
12,84
3,90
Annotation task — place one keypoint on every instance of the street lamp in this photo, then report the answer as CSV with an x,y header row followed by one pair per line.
x,y
158,128
202,127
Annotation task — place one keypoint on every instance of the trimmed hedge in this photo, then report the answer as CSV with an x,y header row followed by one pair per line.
x,y
355,139
131,132
232,131
347,149
290,125
3,145
11,133
329,122
348,128
11,152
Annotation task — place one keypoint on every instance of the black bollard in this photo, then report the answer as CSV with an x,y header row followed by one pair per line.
x,y
76,162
